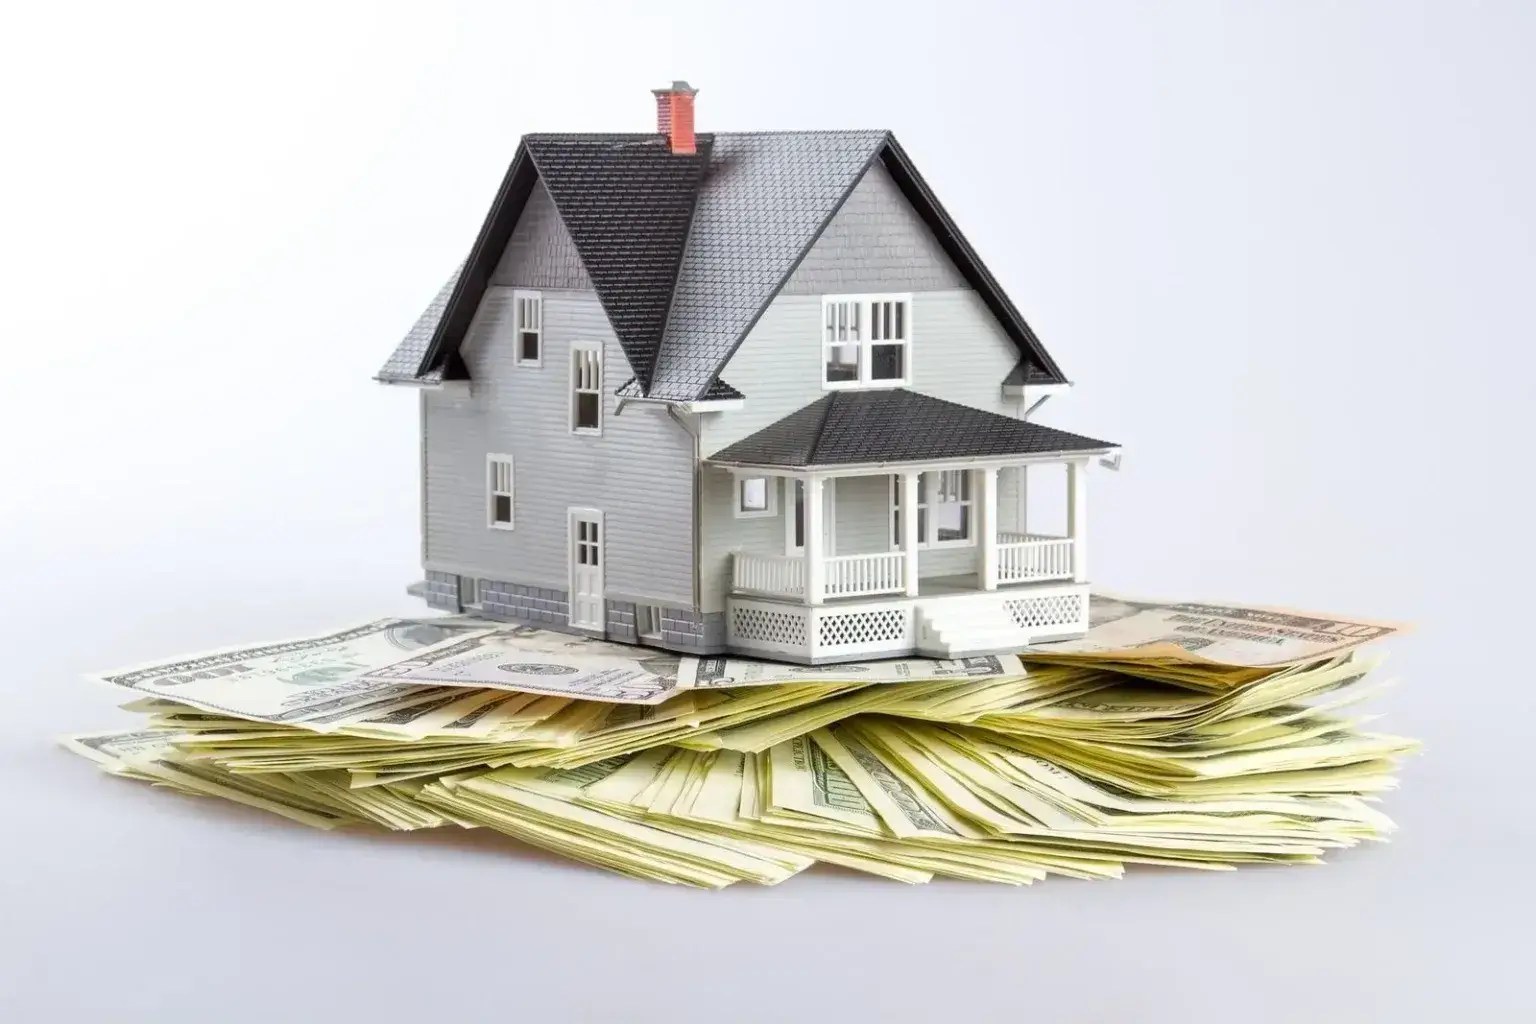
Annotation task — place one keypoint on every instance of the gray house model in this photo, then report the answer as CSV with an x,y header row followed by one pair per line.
x,y
748,392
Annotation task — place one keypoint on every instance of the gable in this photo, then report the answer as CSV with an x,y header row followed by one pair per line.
x,y
627,201
875,243
764,198
541,252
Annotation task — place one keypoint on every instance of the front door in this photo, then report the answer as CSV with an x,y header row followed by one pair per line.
x,y
586,547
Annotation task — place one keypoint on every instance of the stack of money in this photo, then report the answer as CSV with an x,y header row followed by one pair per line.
x,y
1197,735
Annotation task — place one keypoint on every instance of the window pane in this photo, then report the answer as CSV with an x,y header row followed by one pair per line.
x,y
953,521
754,494
587,410
503,513
530,346
901,321
887,362
896,528
843,362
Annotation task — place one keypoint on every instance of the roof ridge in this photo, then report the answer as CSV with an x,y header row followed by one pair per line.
x,y
706,146
827,401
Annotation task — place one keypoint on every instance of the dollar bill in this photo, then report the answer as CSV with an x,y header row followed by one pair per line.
x,y
532,660
310,680
716,673
1215,634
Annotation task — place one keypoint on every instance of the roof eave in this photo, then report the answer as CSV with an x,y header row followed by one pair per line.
x,y
965,258
865,468
495,231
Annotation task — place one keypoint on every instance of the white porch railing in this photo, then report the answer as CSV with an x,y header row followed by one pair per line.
x,y
768,574
860,575
1032,556
842,576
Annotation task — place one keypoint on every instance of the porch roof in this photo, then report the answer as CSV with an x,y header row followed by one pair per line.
x,y
895,425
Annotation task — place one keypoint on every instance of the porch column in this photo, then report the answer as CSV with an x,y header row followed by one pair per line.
x,y
1077,518
909,530
988,526
814,589
1023,501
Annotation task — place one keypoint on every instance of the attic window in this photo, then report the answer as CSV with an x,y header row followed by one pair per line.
x,y
865,341
529,328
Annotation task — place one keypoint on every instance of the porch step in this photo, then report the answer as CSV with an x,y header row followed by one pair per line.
x,y
958,629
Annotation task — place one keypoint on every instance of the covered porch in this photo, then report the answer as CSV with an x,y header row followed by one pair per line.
x,y
888,555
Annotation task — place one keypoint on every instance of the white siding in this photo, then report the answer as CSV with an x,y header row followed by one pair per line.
x,y
639,472
959,353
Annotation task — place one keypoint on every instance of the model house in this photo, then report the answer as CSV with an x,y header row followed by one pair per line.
x,y
748,392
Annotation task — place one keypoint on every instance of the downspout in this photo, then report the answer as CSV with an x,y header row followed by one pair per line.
x,y
693,433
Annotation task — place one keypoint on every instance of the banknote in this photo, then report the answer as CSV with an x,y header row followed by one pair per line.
x,y
532,660
716,673
310,679
1219,634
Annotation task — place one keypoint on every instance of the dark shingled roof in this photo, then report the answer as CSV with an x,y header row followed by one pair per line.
x,y
627,201
717,391
895,425
686,251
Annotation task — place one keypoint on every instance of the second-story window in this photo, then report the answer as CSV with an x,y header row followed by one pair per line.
x,y
586,388
529,311
866,341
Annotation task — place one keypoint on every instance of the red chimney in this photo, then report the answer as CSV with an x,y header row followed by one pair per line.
x,y
674,115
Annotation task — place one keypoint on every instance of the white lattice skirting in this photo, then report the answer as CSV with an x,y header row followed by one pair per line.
x,y
1048,612
889,627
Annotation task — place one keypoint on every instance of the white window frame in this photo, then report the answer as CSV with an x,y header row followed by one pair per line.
x,y
578,350
770,497
476,595
499,483
527,308
928,524
851,320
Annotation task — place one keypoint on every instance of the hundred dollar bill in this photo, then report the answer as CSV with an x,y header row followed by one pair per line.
x,y
532,660
310,681
1216,634
716,673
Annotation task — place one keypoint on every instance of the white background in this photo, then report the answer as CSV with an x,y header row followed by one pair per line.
x,y
1286,251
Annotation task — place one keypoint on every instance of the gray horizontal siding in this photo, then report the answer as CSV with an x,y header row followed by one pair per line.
x,y
875,243
639,473
540,253
958,353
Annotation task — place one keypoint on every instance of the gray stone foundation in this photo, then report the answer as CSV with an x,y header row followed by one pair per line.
x,y
681,629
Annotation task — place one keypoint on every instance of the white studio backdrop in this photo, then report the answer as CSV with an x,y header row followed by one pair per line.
x,y
1285,250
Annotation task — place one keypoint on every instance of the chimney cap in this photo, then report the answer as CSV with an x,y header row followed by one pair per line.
x,y
677,86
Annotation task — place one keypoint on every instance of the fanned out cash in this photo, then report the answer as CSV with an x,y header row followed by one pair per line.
x,y
1197,735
